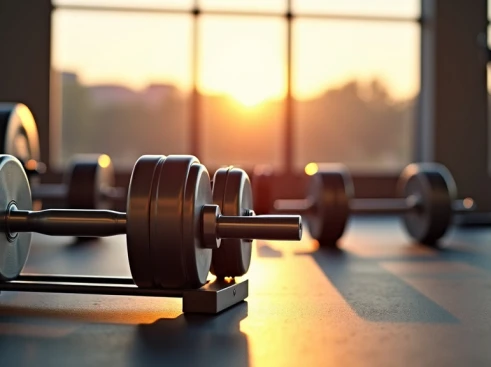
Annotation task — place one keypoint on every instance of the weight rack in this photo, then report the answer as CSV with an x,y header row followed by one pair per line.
x,y
212,298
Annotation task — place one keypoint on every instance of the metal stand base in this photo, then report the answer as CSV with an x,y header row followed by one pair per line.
x,y
212,298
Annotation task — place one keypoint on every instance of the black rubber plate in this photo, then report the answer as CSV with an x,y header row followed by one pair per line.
x,y
170,206
143,178
233,194
197,259
435,188
86,179
330,190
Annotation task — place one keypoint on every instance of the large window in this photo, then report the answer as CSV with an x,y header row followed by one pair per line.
x,y
125,81
237,82
242,84
355,86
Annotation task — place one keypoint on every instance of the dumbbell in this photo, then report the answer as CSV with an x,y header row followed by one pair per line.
x,y
88,184
428,202
89,181
172,225
19,137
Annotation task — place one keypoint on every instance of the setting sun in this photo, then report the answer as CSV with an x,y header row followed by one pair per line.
x,y
240,57
248,99
249,96
248,66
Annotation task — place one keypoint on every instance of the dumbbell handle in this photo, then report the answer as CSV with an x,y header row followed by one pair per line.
x,y
264,227
383,206
103,223
59,192
401,206
370,206
62,222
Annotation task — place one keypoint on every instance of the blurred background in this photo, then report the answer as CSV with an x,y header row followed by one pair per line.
x,y
343,74
374,84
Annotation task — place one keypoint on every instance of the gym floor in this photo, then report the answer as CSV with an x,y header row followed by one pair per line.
x,y
378,300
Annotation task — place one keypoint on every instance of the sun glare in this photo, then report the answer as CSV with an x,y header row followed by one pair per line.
x,y
248,97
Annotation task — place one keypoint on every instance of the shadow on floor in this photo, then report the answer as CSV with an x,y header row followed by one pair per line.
x,y
73,340
374,293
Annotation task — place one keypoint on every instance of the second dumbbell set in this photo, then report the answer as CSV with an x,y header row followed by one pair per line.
x,y
428,202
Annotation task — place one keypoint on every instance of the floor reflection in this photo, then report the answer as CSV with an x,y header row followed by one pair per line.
x,y
187,340
191,340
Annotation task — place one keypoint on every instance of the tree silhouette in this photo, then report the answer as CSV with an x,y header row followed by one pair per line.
x,y
360,125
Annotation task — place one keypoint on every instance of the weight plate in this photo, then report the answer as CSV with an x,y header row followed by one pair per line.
x,y
18,132
232,192
330,190
142,179
197,259
434,186
262,177
14,248
89,176
166,221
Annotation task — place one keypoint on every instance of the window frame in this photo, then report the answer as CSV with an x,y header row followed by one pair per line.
x,y
195,122
48,116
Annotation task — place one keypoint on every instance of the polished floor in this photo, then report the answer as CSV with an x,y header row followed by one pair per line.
x,y
378,300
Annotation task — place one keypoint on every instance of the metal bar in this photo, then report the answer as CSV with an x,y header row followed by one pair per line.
x,y
264,227
289,112
75,279
464,206
246,13
113,290
355,17
401,206
370,206
212,298
195,120
122,9
61,222
381,206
